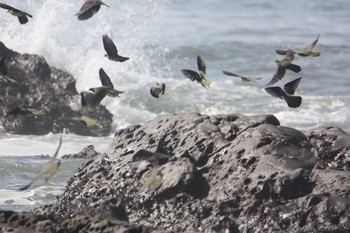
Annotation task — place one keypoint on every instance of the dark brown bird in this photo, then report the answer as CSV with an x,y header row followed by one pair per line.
x,y
89,8
21,15
287,94
198,76
157,90
305,52
282,66
243,78
111,50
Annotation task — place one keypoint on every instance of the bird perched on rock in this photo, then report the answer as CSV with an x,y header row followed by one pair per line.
x,y
89,8
107,88
282,66
305,52
198,76
157,90
49,169
244,78
21,15
111,50
287,94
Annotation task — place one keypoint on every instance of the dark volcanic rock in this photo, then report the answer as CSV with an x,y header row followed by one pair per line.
x,y
46,88
229,173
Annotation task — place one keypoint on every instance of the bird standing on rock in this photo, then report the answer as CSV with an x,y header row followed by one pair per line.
x,y
244,78
107,88
21,15
305,52
198,76
282,66
111,50
287,94
89,8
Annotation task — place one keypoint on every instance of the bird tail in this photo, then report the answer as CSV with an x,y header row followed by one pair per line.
x,y
294,101
122,59
315,54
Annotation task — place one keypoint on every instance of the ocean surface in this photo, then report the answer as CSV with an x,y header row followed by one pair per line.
x,y
161,37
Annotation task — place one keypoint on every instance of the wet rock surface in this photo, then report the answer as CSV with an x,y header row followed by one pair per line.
x,y
88,152
230,173
35,84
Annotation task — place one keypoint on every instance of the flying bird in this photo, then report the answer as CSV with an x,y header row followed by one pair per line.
x,y
305,52
198,76
107,88
243,78
24,111
21,15
287,94
49,169
282,66
84,111
89,8
111,50
157,90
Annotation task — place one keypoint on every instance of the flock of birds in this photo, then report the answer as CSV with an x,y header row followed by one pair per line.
x,y
91,7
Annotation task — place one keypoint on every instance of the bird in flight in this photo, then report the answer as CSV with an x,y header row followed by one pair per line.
x,y
107,88
198,76
157,90
24,111
283,66
49,169
111,50
243,78
89,8
21,15
287,93
305,52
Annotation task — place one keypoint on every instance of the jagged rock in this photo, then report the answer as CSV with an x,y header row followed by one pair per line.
x,y
230,173
86,153
46,88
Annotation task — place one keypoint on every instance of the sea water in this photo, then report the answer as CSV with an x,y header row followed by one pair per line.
x,y
161,37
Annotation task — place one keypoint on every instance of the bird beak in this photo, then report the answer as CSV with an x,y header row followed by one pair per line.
x,y
102,3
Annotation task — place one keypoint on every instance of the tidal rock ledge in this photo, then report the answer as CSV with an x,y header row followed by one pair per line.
x,y
225,173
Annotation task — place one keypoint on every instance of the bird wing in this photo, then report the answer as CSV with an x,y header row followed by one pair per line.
x,y
292,86
281,52
109,46
58,148
230,73
278,75
163,88
155,91
105,80
88,10
99,94
28,185
276,92
312,45
191,75
293,67
7,7
201,65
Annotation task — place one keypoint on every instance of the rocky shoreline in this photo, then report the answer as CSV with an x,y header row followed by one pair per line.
x,y
225,173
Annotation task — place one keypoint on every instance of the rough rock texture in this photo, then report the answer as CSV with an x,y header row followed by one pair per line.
x,y
88,152
229,173
46,88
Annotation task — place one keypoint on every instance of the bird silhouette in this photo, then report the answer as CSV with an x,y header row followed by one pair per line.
x,y
49,169
25,111
157,90
282,66
111,50
198,76
107,88
84,113
243,78
89,8
287,94
305,52
21,15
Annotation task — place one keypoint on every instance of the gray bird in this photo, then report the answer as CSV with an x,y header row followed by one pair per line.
x,y
107,88
49,169
305,52
243,78
157,90
111,50
198,76
21,15
287,94
284,65
24,111
89,8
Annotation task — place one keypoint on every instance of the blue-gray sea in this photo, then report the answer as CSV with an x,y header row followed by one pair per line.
x,y
161,37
